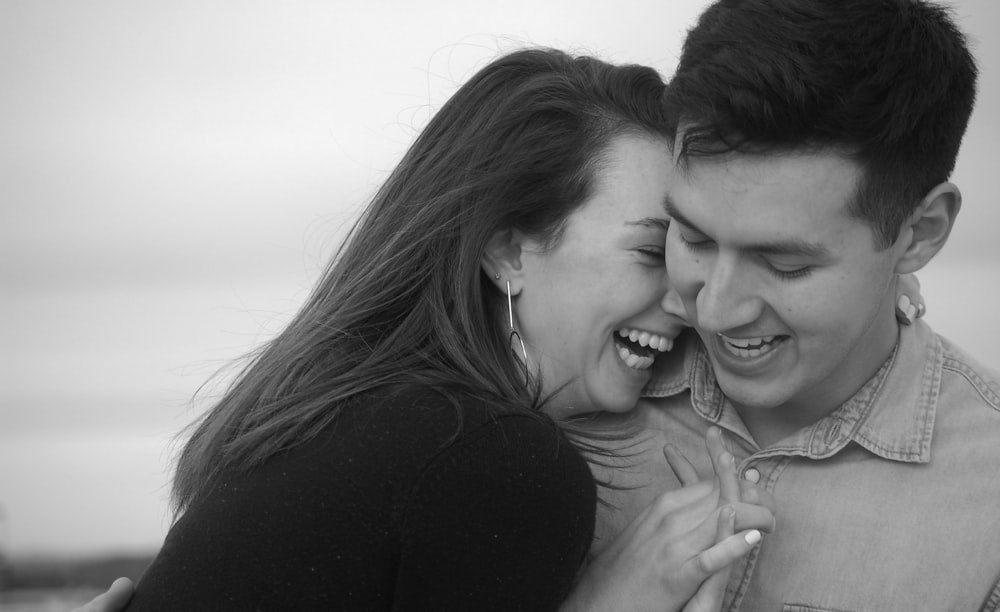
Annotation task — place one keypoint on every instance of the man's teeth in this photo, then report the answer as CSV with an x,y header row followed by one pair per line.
x,y
748,347
644,338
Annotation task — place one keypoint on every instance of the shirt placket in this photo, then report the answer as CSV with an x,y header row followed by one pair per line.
x,y
764,469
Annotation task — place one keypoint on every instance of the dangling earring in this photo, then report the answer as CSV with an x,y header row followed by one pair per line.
x,y
513,332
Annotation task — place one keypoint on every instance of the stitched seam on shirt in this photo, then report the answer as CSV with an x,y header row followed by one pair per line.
x,y
978,383
857,431
930,394
992,603
751,560
665,390
741,589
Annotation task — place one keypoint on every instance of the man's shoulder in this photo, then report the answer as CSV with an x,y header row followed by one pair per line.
x,y
964,376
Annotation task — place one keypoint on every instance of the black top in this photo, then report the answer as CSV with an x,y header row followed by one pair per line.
x,y
404,503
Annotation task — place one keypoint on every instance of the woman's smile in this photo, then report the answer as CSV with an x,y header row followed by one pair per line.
x,y
638,349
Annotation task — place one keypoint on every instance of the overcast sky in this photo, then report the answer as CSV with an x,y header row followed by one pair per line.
x,y
173,174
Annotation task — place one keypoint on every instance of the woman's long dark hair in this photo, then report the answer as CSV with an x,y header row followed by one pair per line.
x,y
405,299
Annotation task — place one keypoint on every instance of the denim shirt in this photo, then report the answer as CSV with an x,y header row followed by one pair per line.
x,y
890,502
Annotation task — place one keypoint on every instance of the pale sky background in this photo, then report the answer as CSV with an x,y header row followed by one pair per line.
x,y
174,174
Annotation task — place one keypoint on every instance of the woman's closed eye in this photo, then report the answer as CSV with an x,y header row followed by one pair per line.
x,y
655,254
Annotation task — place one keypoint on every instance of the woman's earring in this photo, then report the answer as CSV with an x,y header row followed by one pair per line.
x,y
513,332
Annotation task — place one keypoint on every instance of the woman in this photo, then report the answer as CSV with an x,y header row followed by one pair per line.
x,y
408,441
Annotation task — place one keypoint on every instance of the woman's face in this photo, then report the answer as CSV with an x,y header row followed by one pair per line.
x,y
588,310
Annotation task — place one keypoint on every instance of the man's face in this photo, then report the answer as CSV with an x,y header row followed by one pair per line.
x,y
785,288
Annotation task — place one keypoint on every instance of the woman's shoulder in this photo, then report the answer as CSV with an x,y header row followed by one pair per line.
x,y
455,412
462,430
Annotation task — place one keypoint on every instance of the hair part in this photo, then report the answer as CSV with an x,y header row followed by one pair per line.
x,y
889,83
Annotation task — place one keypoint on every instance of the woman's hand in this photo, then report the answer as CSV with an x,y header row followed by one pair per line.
x,y
711,593
112,600
909,303
664,557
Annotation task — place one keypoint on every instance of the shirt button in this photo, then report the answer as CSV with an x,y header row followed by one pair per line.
x,y
752,475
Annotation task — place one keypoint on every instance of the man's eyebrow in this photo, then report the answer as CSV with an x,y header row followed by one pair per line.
x,y
675,215
789,248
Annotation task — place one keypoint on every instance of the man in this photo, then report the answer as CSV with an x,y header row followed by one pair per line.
x,y
814,142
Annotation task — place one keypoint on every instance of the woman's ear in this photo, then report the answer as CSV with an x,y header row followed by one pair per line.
x,y
929,227
502,260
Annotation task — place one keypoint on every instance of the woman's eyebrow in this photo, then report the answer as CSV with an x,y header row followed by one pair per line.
x,y
652,222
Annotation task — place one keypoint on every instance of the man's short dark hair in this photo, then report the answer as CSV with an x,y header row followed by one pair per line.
x,y
889,83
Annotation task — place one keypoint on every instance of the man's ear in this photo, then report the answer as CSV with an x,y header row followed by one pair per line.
x,y
929,227
502,258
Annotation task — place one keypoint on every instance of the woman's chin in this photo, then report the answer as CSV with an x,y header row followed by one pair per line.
x,y
623,400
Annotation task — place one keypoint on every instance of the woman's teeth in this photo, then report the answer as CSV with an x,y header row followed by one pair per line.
x,y
641,358
644,338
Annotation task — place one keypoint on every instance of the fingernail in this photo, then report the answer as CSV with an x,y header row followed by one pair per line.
x,y
752,537
905,310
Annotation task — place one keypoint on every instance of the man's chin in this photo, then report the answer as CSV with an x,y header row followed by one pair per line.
x,y
752,393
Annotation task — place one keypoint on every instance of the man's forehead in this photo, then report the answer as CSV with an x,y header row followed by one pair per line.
x,y
767,226
794,181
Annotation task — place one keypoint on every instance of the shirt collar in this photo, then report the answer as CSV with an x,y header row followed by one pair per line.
x,y
892,415
674,370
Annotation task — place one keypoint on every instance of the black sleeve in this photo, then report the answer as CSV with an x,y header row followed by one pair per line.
x,y
500,521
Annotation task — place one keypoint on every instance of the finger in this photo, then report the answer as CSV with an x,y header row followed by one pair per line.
x,y
729,483
708,597
714,441
752,516
699,498
682,468
753,493
111,600
909,285
693,531
726,524
721,555
674,512
679,514
905,311
725,466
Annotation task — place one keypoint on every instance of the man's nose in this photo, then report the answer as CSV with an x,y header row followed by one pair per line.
x,y
672,304
729,297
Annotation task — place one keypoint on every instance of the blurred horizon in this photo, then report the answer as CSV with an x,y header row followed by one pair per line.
x,y
174,177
